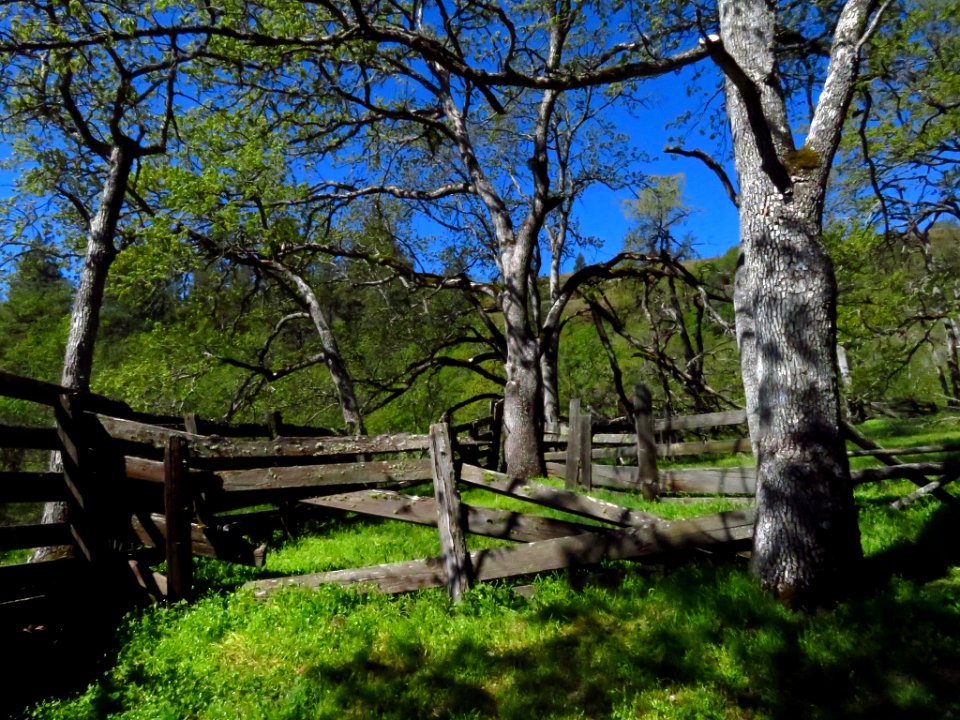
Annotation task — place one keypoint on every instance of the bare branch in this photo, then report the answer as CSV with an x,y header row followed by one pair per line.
x,y
711,163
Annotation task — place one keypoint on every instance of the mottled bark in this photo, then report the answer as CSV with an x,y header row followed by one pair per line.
x,y
522,393
806,543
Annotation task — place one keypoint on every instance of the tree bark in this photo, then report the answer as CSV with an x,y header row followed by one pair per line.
x,y
342,380
522,393
85,314
806,542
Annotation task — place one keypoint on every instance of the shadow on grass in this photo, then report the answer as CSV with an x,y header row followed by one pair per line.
x,y
714,647
698,641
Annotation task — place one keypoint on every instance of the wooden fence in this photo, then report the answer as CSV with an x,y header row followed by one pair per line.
x,y
143,490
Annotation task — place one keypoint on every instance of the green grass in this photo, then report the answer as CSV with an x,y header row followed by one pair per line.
x,y
621,641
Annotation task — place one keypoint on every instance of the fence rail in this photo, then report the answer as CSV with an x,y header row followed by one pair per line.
x,y
148,489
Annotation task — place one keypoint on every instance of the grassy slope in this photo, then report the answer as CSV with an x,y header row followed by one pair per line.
x,y
695,641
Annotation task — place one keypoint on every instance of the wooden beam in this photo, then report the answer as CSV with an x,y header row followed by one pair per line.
x,y
709,532
915,472
31,487
17,537
205,541
706,481
557,499
520,527
920,450
855,436
928,489
203,446
178,512
31,438
316,476
26,579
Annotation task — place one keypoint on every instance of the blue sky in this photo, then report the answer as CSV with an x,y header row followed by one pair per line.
x,y
714,227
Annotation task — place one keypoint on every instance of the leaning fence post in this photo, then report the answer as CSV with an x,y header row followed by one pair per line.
x,y
646,443
178,511
453,548
86,501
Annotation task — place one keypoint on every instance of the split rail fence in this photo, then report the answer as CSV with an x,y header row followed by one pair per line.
x,y
144,490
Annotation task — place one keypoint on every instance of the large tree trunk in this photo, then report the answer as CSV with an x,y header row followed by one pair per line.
x,y
522,394
806,542
85,315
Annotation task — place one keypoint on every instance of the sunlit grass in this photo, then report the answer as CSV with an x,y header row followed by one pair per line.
x,y
620,641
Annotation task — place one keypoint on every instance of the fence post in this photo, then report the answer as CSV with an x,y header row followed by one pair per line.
x,y
85,509
573,445
646,443
586,451
453,549
178,511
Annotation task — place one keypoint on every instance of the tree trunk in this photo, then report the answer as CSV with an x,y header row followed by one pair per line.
x,y
806,541
522,393
549,372
550,352
342,381
85,315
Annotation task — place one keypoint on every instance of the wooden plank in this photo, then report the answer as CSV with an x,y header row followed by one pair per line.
x,y
703,421
520,527
32,438
866,443
712,531
698,481
457,571
202,446
557,499
915,472
315,476
85,496
26,579
23,388
671,450
151,583
17,537
707,481
683,422
919,450
31,487
44,393
706,447
205,541
928,489
178,512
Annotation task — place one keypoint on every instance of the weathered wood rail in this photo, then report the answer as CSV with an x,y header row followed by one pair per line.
x,y
146,489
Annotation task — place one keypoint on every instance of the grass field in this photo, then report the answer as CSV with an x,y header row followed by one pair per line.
x,y
678,640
